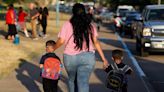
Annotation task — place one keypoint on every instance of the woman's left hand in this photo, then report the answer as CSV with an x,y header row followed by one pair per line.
x,y
105,64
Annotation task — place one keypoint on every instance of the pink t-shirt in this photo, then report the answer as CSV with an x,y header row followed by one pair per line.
x,y
66,33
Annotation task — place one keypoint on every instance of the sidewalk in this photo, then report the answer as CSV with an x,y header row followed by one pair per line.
x,y
26,77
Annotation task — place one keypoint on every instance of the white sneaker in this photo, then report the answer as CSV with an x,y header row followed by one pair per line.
x,y
35,38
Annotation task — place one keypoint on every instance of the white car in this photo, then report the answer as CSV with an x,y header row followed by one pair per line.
x,y
123,8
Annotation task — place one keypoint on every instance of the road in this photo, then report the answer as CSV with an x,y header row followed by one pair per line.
x,y
152,66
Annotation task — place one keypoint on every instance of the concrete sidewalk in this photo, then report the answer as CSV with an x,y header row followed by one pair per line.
x,y
26,77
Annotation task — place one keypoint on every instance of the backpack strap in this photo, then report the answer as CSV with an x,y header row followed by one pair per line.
x,y
125,68
114,66
69,40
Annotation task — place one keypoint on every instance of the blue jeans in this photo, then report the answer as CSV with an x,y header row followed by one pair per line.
x,y
81,64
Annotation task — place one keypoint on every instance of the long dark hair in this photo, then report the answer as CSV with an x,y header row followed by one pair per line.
x,y
82,28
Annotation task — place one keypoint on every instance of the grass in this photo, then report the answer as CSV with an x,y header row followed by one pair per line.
x,y
27,49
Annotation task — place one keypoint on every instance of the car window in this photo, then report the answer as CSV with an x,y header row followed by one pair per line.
x,y
122,10
130,18
156,14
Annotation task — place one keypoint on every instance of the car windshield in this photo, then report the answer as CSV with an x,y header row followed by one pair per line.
x,y
122,10
130,18
156,14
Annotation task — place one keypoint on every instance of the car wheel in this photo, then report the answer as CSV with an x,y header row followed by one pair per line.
x,y
132,34
137,45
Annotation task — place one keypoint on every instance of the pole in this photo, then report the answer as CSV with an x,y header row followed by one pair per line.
x,y
159,2
57,13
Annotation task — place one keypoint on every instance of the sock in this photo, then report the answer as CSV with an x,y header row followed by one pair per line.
x,y
26,33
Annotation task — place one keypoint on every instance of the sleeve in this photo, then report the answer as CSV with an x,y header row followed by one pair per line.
x,y
108,69
63,33
35,11
25,14
42,60
95,34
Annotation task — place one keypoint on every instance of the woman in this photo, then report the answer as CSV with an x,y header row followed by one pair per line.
x,y
79,37
44,16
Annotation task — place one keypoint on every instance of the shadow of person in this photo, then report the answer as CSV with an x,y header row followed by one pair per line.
x,y
3,33
28,75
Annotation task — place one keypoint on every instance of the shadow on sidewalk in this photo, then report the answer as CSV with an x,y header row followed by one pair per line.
x,y
99,87
29,75
3,33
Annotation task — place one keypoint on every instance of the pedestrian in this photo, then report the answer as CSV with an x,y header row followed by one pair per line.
x,y
33,17
11,22
39,9
114,72
79,36
91,13
51,68
21,21
44,20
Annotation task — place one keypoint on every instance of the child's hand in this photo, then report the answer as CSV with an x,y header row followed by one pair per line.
x,y
105,64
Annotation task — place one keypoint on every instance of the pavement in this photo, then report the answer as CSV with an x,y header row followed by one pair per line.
x,y
26,77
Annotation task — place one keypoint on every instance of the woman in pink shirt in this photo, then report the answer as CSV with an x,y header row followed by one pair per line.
x,y
79,36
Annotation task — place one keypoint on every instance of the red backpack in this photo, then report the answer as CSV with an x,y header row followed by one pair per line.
x,y
51,68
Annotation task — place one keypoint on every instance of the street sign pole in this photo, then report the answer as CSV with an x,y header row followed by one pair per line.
x,y
57,13
159,2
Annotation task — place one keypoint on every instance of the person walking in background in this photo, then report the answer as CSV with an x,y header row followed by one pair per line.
x,y
21,21
91,13
11,21
44,17
79,36
39,9
33,16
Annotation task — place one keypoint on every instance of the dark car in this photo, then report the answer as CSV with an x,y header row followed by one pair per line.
x,y
131,17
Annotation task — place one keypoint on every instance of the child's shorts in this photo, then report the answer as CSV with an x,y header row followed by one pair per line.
x,y
22,25
12,29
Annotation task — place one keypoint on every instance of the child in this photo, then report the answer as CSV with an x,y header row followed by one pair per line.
x,y
117,57
49,76
21,21
11,21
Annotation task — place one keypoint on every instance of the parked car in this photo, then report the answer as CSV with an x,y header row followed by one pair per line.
x,y
106,16
150,32
122,8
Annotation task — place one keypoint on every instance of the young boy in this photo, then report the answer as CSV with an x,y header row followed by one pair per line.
x,y
21,20
11,21
117,57
49,79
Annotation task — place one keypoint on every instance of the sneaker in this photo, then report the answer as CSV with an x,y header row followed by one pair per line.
x,y
45,36
35,38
